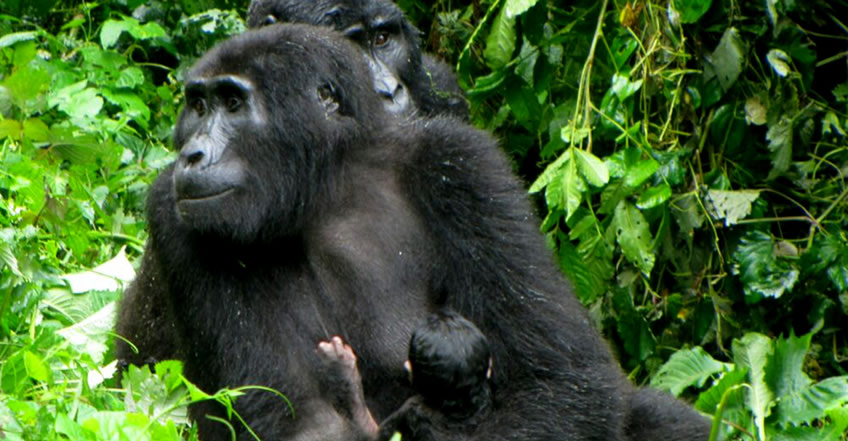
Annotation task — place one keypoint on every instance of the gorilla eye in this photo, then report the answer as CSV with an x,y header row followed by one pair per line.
x,y
199,106
381,38
233,104
269,20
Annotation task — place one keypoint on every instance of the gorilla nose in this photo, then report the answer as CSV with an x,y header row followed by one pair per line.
x,y
193,158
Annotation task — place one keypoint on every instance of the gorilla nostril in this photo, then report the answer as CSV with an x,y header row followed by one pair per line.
x,y
194,157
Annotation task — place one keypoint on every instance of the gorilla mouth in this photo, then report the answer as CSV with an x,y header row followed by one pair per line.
x,y
207,197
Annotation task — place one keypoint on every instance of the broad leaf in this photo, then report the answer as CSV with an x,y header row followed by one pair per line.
x,y
779,136
592,168
752,352
709,401
786,367
687,367
762,272
812,401
731,205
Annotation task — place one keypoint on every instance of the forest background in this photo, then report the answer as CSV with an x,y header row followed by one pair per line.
x,y
688,159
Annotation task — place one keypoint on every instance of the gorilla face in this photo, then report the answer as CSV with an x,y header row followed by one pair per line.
x,y
389,43
253,149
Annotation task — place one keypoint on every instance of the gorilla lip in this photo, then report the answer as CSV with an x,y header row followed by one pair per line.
x,y
207,197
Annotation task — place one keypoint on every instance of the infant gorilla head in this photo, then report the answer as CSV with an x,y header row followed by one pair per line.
x,y
449,365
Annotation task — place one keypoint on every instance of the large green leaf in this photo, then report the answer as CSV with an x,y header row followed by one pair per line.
x,y
786,367
753,352
811,402
762,272
708,402
687,367
500,44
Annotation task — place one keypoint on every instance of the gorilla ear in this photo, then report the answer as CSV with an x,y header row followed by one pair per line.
x,y
328,97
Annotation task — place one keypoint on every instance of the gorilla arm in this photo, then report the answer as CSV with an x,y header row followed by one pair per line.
x,y
497,272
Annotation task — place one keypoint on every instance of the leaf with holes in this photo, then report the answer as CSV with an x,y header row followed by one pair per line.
x,y
633,236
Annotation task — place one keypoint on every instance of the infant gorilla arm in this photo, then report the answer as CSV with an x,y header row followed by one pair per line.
x,y
449,367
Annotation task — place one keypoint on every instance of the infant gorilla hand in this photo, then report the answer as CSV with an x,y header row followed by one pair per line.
x,y
340,364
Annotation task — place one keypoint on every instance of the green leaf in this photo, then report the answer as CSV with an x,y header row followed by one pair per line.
x,y
811,402
515,8
35,367
10,128
786,367
779,62
500,44
753,352
654,196
779,136
592,168
572,189
691,10
623,88
762,272
634,236
16,37
91,335
636,174
709,401
731,205
36,130
727,59
552,171
632,327
111,31
111,275
687,367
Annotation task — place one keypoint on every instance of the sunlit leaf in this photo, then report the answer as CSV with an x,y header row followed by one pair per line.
x,y
108,276
653,196
752,352
731,205
500,44
761,271
592,168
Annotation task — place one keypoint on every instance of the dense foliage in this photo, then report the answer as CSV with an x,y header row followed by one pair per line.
x,y
688,158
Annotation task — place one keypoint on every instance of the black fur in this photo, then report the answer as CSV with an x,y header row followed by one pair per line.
x,y
351,221
431,83
450,365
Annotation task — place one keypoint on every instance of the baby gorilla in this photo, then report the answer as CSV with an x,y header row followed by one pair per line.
x,y
449,367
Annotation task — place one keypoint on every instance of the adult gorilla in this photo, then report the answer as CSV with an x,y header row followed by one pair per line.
x,y
392,45
300,209
399,71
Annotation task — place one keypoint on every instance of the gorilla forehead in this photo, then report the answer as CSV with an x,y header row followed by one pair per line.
x,y
282,52
338,14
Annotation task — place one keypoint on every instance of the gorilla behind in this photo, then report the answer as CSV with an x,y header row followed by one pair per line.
x,y
299,208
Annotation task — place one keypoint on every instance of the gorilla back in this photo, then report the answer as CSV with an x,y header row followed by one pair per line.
x,y
299,208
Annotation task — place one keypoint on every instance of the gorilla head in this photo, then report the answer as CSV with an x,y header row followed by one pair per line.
x,y
405,78
219,188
